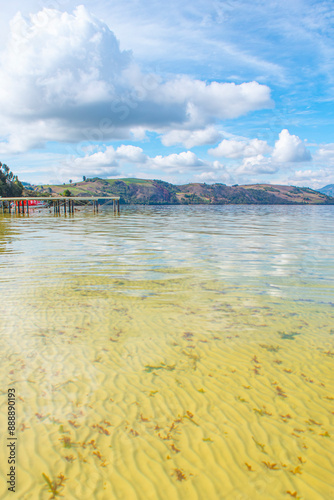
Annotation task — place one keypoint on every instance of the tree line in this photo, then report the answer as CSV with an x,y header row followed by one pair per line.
x,y
9,183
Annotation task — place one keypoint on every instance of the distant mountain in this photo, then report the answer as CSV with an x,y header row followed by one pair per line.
x,y
329,190
152,192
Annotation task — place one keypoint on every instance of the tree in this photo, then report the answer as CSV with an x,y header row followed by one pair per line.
x,y
9,183
67,192
84,178
70,181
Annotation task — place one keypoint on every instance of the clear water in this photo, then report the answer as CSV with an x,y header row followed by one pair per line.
x,y
170,352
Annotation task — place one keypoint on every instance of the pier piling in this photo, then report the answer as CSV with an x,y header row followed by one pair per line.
x,y
21,205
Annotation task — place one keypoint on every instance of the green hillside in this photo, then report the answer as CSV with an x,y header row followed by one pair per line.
x,y
149,192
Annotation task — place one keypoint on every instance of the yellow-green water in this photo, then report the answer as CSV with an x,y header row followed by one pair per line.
x,y
170,353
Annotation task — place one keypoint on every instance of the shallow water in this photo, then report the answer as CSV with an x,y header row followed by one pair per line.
x,y
170,352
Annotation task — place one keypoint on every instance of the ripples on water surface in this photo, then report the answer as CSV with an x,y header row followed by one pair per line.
x,y
170,352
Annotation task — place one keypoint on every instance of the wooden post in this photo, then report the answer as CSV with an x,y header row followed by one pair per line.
x,y
65,207
23,207
9,207
97,206
27,207
3,206
118,207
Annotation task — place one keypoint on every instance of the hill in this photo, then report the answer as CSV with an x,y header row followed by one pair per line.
x,y
151,192
329,190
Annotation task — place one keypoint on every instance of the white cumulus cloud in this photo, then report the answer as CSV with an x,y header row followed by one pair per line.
x,y
191,138
257,165
239,149
290,148
65,78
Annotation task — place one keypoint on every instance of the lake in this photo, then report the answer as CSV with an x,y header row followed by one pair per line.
x,y
170,352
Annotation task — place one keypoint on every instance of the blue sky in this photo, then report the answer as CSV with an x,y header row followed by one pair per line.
x,y
200,91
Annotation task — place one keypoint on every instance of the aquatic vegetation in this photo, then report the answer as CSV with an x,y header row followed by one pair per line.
x,y
66,441
74,424
259,445
249,467
180,476
101,429
23,427
285,417
294,495
262,411
207,440
93,444
55,485
162,366
289,336
270,466
190,417
296,470
280,392
70,458
310,421
270,348
325,434
242,400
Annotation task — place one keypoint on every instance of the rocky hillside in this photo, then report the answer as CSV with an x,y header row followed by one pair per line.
x,y
140,191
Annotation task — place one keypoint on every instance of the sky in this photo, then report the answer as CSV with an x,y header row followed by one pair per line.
x,y
232,91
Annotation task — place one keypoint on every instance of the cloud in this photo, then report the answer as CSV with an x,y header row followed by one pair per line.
x,y
179,162
131,154
239,149
191,138
64,77
315,178
257,165
290,148
222,176
326,152
110,161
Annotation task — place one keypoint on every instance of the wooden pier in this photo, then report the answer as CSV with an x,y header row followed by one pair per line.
x,y
65,204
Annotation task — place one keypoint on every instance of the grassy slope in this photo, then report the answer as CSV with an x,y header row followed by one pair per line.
x,y
158,192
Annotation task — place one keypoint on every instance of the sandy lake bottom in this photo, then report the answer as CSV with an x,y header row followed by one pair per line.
x,y
152,360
